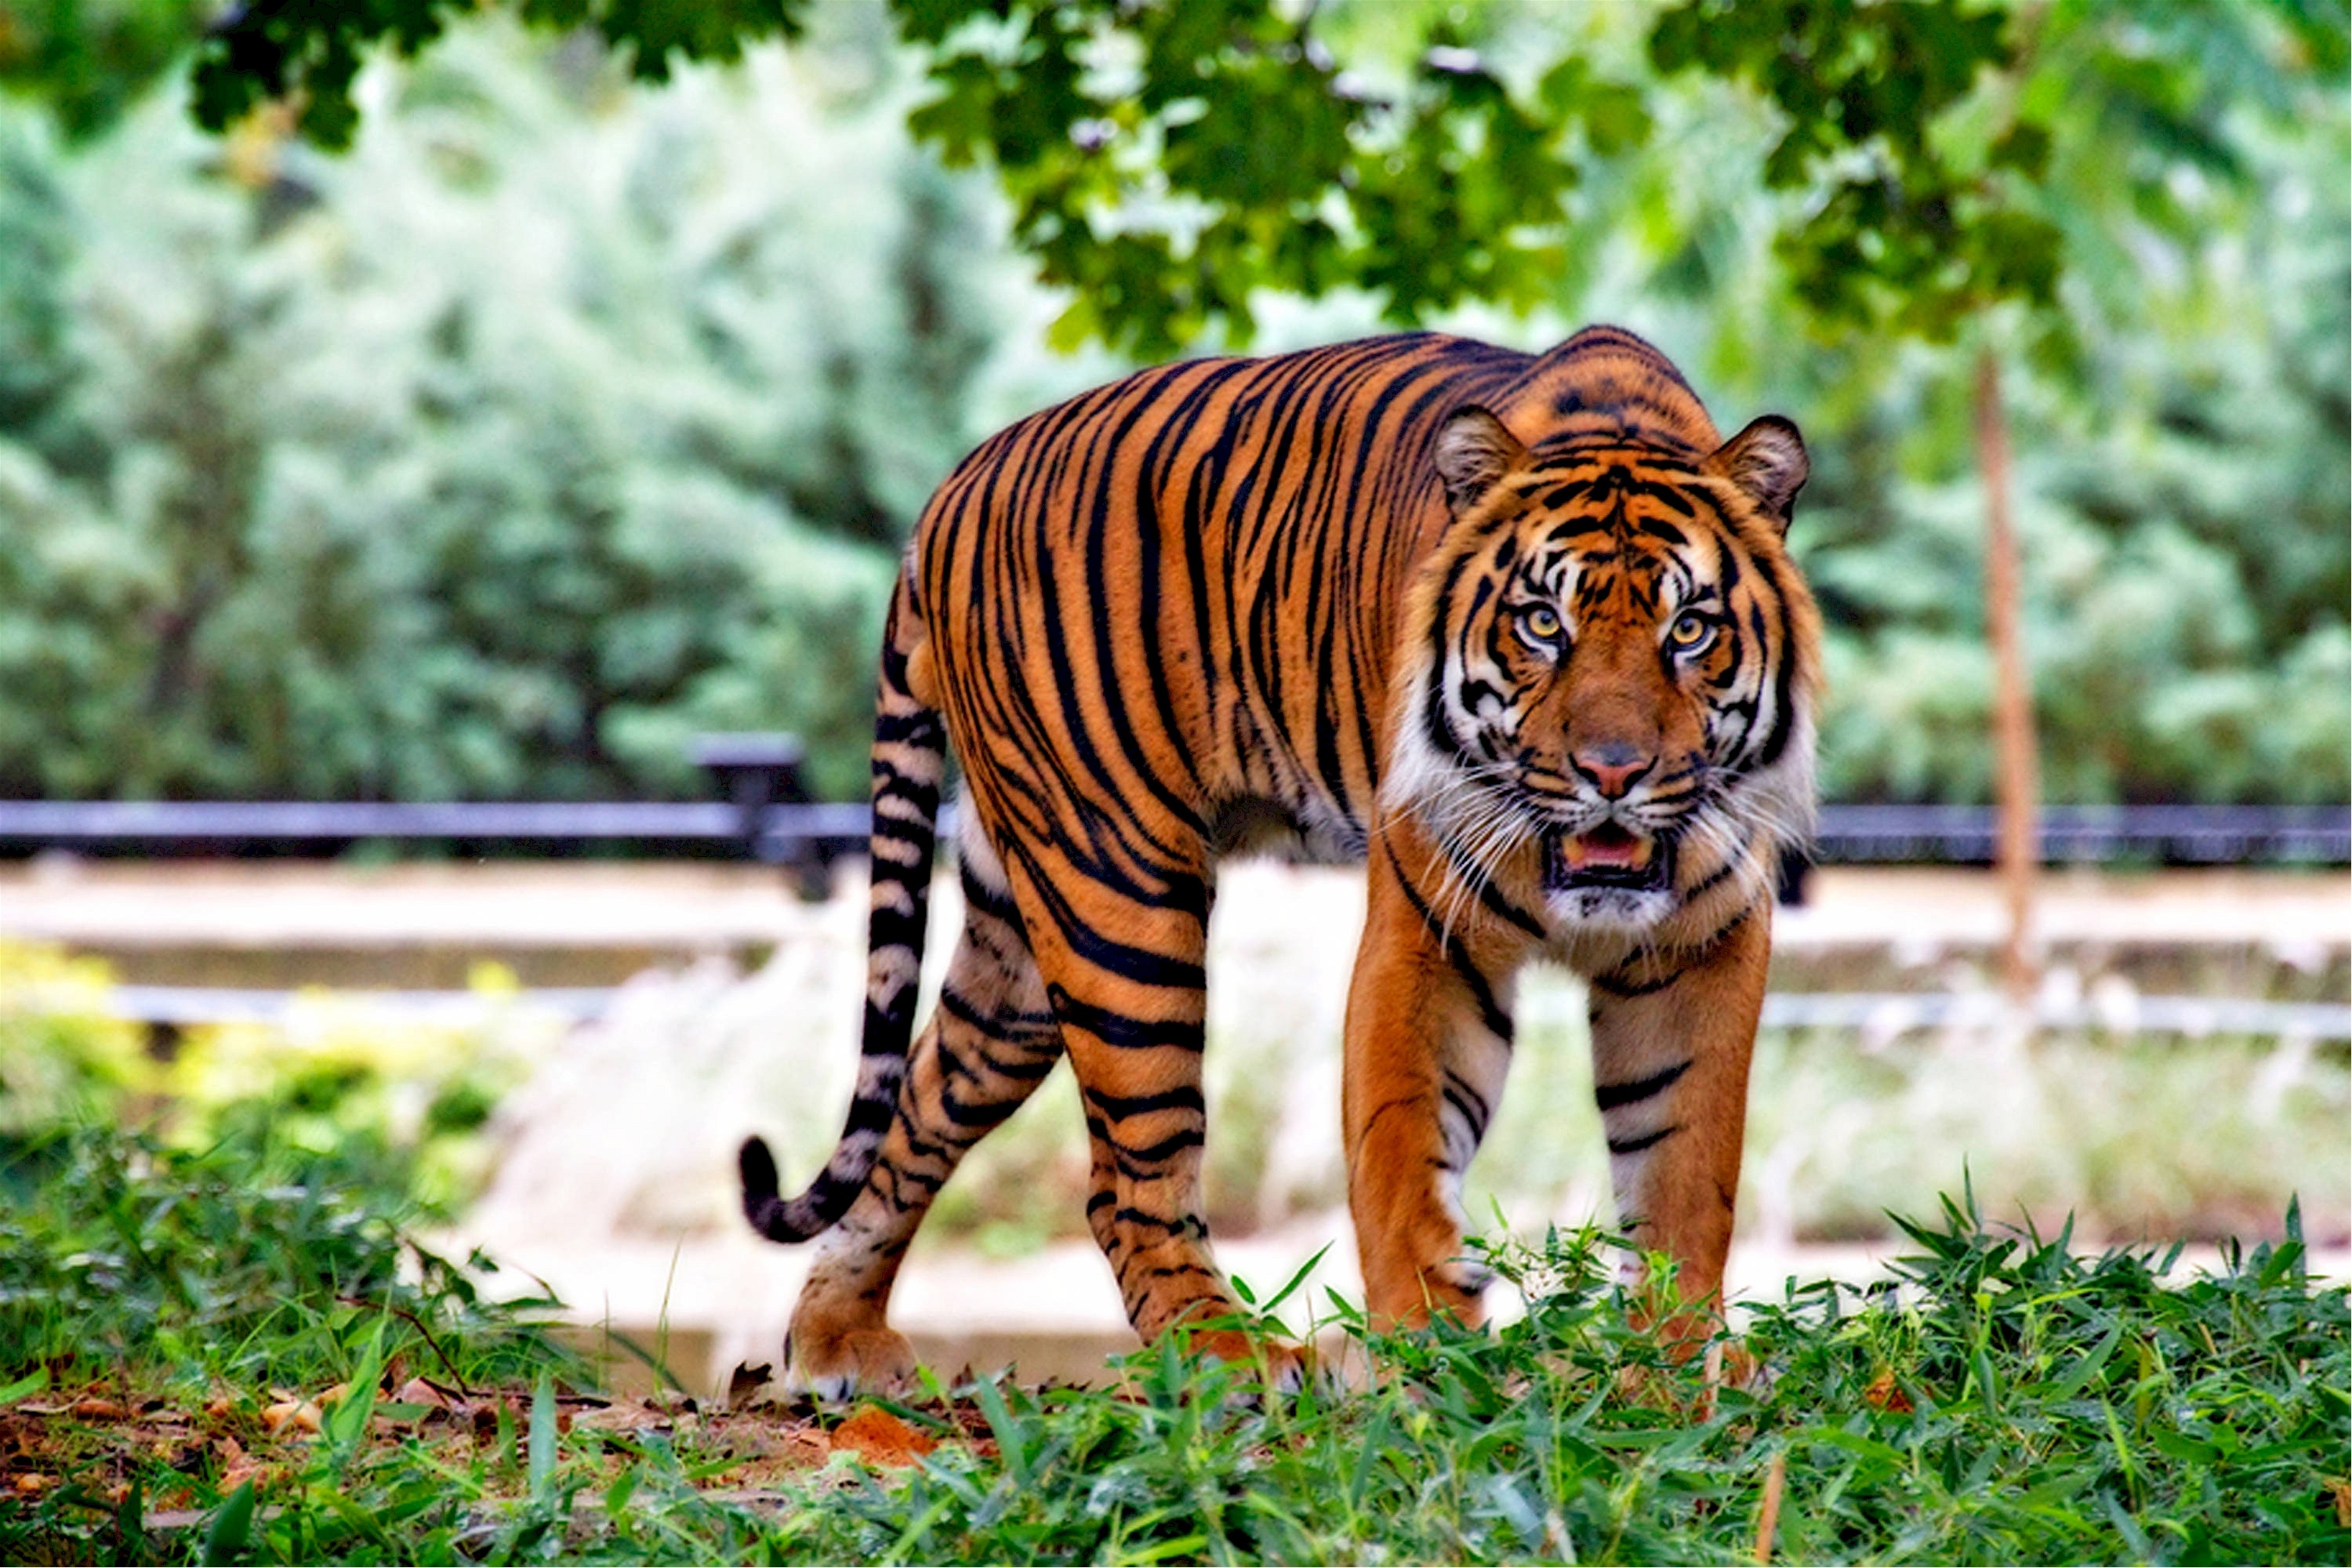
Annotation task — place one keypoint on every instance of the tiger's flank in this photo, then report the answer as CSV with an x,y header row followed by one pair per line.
x,y
1520,632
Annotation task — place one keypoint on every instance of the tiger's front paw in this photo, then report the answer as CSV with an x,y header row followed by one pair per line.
x,y
837,1365
1458,1287
1454,1289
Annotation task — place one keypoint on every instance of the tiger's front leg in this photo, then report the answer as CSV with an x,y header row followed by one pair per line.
x,y
1671,1038
1428,1046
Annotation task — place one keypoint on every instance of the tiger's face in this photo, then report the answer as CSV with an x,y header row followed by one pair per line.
x,y
1613,672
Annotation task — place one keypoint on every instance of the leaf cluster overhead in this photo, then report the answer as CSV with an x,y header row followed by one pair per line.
x,y
1166,161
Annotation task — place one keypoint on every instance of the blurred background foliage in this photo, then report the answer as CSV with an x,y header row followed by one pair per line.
x,y
398,1104
563,416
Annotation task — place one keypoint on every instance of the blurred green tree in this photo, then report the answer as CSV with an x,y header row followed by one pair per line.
x,y
2163,189
1167,161
439,470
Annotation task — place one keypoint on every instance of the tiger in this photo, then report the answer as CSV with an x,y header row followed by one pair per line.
x,y
1519,632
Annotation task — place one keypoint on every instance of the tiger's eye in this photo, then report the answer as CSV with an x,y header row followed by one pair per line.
x,y
1691,630
1542,623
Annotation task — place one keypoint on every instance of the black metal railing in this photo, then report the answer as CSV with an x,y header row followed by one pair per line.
x,y
766,816
762,832
2163,835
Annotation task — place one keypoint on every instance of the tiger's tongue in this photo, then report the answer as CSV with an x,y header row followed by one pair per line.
x,y
1607,845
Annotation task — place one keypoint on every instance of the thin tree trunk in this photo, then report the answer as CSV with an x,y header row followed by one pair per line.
x,y
2016,773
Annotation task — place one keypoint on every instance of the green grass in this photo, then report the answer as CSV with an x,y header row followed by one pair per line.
x,y
250,1264
2008,1401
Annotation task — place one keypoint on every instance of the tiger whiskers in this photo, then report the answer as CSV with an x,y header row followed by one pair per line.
x,y
1749,825
1476,816
1485,821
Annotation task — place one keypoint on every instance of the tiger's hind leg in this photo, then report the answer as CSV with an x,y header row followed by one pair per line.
x,y
990,1042
1124,967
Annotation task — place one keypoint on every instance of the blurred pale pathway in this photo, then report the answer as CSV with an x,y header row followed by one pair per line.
x,y
678,908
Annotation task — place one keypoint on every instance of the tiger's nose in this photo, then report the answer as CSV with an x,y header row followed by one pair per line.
x,y
1612,767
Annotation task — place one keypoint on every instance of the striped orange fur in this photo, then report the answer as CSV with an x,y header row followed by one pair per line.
x,y
1519,630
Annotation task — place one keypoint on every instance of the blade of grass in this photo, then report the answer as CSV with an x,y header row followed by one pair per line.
x,y
1279,1297
541,1464
1767,1512
1011,1439
224,1537
25,1387
664,1377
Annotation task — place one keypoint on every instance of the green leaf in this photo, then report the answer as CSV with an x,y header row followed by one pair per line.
x,y
224,1537
1012,1436
1299,1278
2087,1366
540,1471
25,1387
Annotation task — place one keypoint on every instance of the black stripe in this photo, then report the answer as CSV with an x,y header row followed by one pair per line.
x,y
1149,1161
919,730
870,1115
1498,1023
1120,1031
1722,873
992,901
1184,1097
1139,965
1014,1027
1470,1103
1613,1096
1616,987
1635,1145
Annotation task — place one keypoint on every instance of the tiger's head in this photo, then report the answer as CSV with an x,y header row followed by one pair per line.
x,y
1613,665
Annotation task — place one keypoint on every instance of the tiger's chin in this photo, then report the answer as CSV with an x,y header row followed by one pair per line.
x,y
1611,877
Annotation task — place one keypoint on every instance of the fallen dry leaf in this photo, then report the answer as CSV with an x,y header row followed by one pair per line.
x,y
1767,1512
634,1415
744,1384
96,1409
237,1467
2341,1490
417,1391
295,1413
33,1484
879,1438
1882,1394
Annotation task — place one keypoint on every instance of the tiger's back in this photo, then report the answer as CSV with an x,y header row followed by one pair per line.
x,y
1198,568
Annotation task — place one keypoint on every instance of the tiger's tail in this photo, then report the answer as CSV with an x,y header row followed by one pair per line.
x,y
910,758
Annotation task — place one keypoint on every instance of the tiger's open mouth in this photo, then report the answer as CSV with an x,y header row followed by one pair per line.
x,y
1608,856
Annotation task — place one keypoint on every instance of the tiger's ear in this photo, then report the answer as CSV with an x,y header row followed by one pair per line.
x,y
1475,453
1768,461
